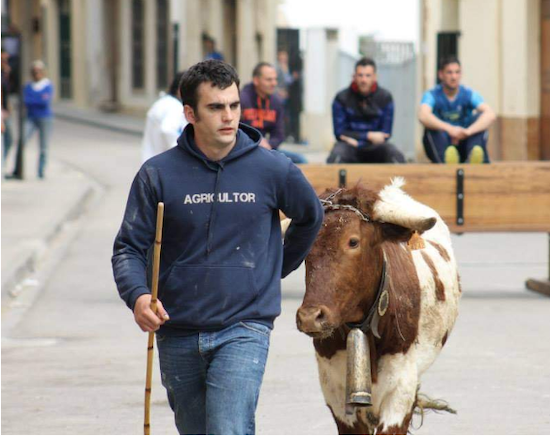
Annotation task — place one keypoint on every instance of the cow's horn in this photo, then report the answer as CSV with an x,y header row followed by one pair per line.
x,y
396,207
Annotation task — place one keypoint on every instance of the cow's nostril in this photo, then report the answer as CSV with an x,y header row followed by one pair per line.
x,y
321,316
313,319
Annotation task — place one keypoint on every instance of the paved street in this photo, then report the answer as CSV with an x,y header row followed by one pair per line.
x,y
73,361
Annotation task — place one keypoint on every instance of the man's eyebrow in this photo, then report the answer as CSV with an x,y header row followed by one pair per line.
x,y
218,104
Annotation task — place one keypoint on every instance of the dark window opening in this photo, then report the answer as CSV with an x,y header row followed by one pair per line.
x,y
65,85
447,45
138,30
162,43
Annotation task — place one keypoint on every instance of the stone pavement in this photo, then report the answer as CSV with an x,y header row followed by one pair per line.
x,y
34,214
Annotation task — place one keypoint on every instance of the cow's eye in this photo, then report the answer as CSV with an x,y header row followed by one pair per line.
x,y
354,243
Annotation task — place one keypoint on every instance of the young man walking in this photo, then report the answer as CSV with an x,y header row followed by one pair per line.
x,y
222,258
455,118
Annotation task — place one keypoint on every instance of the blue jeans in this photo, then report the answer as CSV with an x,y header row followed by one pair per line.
x,y
213,379
44,127
7,139
296,158
437,141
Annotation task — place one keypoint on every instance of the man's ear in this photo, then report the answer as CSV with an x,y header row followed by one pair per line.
x,y
189,114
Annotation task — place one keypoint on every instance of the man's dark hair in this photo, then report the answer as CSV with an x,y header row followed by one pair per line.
x,y
218,73
175,85
257,71
448,61
366,62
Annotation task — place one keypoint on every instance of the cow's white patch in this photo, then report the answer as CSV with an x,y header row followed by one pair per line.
x,y
436,317
395,392
332,375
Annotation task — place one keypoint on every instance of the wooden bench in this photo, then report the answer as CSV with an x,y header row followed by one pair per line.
x,y
500,197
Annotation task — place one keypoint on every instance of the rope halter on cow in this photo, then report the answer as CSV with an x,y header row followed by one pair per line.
x,y
329,205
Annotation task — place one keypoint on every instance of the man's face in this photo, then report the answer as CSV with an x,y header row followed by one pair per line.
x,y
364,76
450,76
37,74
5,59
216,119
282,57
266,83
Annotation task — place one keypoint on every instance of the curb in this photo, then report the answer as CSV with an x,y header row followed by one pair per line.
x,y
99,124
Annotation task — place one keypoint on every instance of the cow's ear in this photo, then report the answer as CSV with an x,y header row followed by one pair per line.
x,y
394,232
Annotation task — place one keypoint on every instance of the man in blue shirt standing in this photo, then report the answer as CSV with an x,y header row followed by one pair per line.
x,y
37,96
456,119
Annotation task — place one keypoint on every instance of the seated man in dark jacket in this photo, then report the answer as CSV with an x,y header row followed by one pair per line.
x,y
263,109
362,117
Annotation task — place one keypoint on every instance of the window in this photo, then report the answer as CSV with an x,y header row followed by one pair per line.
x,y
162,44
65,60
138,30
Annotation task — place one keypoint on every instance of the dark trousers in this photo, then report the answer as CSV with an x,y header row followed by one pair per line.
x,y
437,141
383,153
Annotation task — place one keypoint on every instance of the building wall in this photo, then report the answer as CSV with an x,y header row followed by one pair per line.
x,y
479,44
320,60
51,26
545,80
244,30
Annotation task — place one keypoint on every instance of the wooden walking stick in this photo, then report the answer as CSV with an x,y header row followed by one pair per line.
x,y
151,339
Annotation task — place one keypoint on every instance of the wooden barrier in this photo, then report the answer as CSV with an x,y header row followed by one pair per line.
x,y
500,197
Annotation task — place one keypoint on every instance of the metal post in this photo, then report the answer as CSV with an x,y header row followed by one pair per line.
x,y
342,176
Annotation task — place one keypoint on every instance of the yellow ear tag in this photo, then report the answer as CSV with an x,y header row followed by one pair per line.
x,y
416,242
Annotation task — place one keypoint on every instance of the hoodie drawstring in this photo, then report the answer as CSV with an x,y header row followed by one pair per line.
x,y
213,211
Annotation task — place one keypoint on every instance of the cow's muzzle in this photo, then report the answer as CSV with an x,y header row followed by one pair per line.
x,y
315,321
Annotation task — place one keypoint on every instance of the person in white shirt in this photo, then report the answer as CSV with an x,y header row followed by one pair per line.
x,y
165,122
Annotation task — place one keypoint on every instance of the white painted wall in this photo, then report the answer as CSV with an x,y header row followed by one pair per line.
x,y
319,68
480,48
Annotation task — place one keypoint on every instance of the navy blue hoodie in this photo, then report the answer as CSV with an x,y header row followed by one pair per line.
x,y
222,256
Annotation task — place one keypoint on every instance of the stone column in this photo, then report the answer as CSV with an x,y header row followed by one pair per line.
x,y
317,115
214,23
51,34
193,31
150,50
520,110
247,53
79,74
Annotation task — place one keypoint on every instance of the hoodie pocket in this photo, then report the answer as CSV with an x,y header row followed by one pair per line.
x,y
200,296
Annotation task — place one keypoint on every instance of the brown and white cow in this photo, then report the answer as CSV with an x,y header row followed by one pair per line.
x,y
343,272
